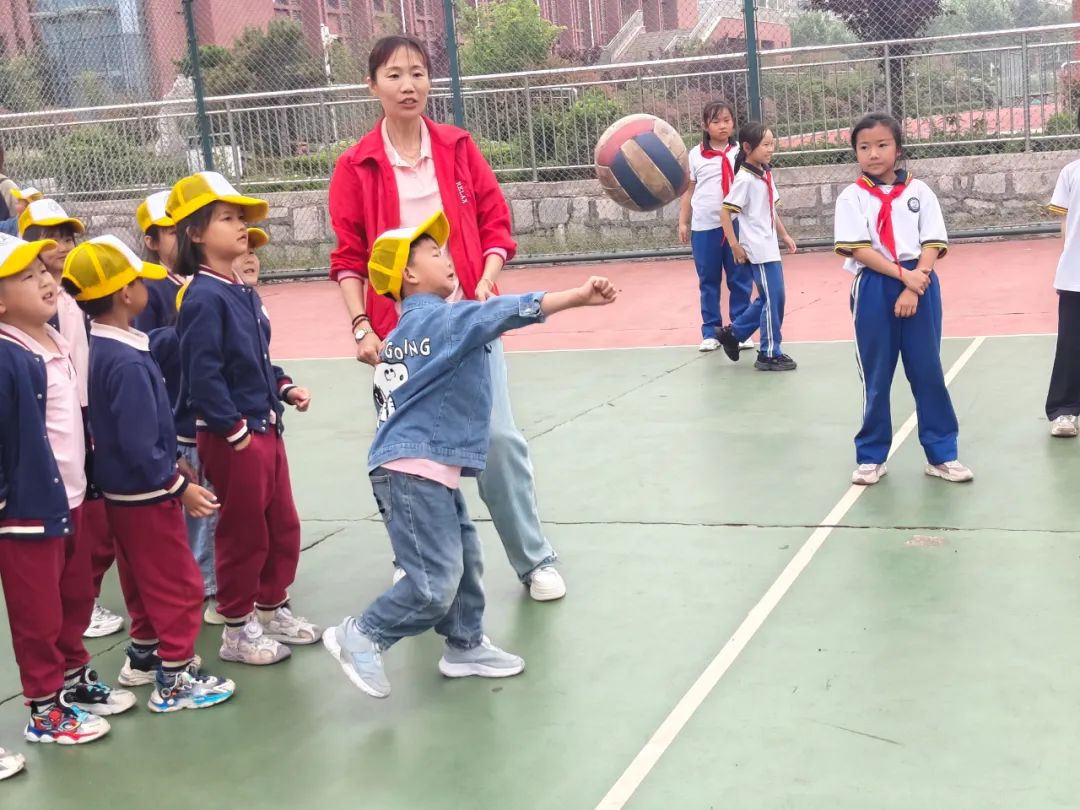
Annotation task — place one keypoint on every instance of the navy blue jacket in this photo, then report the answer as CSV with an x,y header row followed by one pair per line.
x,y
161,304
165,347
228,381
131,421
33,501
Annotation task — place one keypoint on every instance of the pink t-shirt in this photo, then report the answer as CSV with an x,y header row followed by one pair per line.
x,y
63,412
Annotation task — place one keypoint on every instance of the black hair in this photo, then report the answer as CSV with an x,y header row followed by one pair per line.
x,y
421,239
872,120
383,50
190,255
713,109
752,133
37,232
154,233
94,308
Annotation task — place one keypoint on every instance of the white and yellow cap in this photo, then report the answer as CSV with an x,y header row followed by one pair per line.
x,y
47,213
104,266
257,238
28,194
197,191
17,254
151,212
390,253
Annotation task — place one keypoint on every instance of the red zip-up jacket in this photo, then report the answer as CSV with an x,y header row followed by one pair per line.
x,y
364,204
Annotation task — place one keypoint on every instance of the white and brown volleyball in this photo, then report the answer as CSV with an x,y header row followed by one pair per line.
x,y
641,162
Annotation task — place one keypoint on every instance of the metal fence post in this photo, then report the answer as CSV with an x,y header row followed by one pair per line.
x,y
197,80
1026,90
232,139
753,66
455,68
529,125
888,79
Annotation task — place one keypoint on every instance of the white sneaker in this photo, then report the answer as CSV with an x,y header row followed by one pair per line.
x,y
546,584
747,345
484,661
103,622
211,616
1065,427
869,474
952,471
399,574
249,645
283,626
10,764
709,345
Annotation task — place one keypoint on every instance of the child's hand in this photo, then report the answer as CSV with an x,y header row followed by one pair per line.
x,y
906,304
915,280
242,444
597,291
789,243
187,470
739,252
684,233
199,502
299,398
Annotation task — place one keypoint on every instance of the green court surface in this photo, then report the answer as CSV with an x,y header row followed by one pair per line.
x,y
923,658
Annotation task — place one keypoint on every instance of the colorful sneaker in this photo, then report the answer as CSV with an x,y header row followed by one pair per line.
x,y
103,622
727,339
249,645
10,764
709,345
485,660
65,725
190,689
283,626
1065,427
211,616
359,656
546,584
951,471
779,363
869,474
140,669
92,695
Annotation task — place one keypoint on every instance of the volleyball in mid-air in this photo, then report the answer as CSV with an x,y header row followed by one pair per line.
x,y
641,162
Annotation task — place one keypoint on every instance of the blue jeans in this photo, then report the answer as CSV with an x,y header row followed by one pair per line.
x,y
767,311
201,530
880,340
436,543
712,259
507,486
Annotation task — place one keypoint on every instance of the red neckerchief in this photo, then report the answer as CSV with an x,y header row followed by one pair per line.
x,y
729,173
884,220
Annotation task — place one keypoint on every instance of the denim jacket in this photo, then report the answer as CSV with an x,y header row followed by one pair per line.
x,y
433,384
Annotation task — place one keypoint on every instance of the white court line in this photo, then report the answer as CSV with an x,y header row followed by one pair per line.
x,y
665,735
674,346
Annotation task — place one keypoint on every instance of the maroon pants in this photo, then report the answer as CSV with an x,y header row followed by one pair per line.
x,y
162,586
101,540
49,592
257,542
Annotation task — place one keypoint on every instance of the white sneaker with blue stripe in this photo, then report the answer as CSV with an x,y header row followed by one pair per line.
x,y
359,656
188,689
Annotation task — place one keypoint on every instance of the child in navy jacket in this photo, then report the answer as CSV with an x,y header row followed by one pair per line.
x,y
433,399
135,466
238,397
44,556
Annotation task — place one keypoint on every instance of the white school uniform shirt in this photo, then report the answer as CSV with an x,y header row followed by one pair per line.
x,y
1066,200
916,219
748,200
708,177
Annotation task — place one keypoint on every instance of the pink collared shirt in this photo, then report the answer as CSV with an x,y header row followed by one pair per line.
x,y
63,411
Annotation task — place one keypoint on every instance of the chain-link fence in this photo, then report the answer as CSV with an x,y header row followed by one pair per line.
x,y
99,107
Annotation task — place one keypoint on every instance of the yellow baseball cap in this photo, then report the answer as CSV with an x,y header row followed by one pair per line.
x,y
106,265
28,194
257,238
390,253
200,190
151,212
16,254
47,213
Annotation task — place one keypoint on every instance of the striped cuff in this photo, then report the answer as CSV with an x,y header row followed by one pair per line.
x,y
237,433
847,249
942,247
186,441
285,385
173,488
735,209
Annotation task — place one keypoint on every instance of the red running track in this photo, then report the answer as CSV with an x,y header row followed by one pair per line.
x,y
989,288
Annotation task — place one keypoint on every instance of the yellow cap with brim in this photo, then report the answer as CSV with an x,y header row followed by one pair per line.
x,y
104,266
16,254
47,213
257,238
28,194
151,212
390,253
197,191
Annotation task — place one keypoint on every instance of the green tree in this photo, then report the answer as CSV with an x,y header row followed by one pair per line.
x,y
819,28
504,36
24,85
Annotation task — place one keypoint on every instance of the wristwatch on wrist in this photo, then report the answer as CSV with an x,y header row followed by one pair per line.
x,y
361,333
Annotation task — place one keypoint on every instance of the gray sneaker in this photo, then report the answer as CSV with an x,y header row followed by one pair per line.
x,y
485,660
359,656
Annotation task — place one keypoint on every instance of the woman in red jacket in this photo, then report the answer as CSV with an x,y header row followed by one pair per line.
x,y
399,174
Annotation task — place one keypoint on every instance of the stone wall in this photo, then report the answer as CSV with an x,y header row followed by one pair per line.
x,y
576,217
